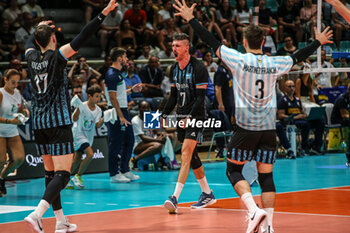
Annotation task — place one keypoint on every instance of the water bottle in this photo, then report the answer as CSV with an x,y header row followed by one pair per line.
x,y
292,137
343,146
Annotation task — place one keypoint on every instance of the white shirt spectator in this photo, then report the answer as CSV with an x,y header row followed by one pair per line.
x,y
165,14
11,16
243,16
36,11
22,34
324,79
137,126
113,21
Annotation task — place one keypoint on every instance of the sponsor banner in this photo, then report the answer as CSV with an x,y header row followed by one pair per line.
x,y
33,165
27,134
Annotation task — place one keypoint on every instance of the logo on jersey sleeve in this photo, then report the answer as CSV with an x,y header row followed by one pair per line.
x,y
151,120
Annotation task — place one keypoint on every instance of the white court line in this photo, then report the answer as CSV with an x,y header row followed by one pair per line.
x,y
90,203
347,190
111,204
279,212
68,203
5,209
142,207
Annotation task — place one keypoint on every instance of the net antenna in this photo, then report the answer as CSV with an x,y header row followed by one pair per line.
x,y
319,68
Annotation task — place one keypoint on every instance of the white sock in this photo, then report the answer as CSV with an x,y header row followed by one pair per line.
x,y
178,190
269,216
249,202
59,215
204,185
41,208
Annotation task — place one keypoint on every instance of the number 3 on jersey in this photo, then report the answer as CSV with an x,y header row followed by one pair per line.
x,y
41,82
260,84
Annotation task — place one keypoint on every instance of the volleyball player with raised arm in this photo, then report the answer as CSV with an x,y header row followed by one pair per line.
x,y
51,112
254,81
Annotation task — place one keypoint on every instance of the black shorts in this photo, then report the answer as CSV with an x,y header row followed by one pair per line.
x,y
189,133
83,147
54,141
246,145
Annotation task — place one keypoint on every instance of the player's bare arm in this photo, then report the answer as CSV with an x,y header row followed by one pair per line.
x,y
341,8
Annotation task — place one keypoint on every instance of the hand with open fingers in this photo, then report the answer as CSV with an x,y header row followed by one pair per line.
x,y
137,87
183,10
124,121
111,6
324,36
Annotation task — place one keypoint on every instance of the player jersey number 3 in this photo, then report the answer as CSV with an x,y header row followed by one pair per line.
x,y
41,82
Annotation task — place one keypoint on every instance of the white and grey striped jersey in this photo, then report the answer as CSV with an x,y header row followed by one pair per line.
x,y
254,81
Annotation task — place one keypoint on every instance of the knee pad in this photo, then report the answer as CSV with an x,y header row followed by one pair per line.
x,y
234,173
48,177
195,161
266,182
62,178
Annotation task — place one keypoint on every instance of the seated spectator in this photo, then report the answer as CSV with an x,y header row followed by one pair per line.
x,y
108,29
167,54
289,48
165,13
208,62
103,69
13,14
152,19
290,109
146,49
243,16
289,20
147,142
138,18
308,17
126,38
266,20
206,15
324,79
83,69
304,85
132,78
34,9
24,32
343,76
226,19
7,41
92,8
167,33
340,115
152,77
340,24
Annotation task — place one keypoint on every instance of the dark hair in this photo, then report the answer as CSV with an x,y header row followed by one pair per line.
x,y
93,89
11,72
225,14
43,34
117,52
76,86
254,36
240,9
181,36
